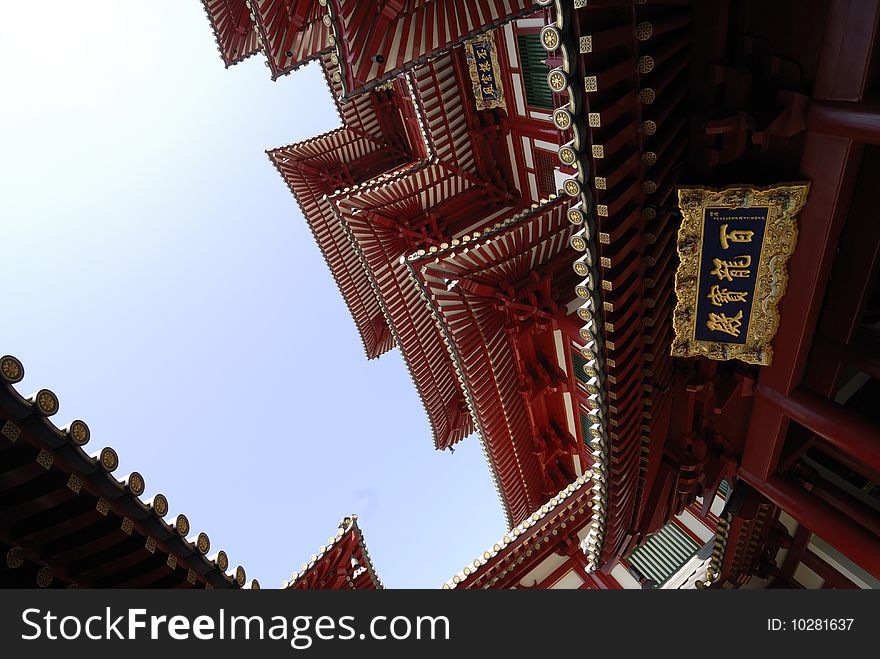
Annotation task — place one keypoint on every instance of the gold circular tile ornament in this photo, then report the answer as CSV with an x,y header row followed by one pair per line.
x,y
46,402
578,243
557,80
15,558
582,292
136,483
203,543
327,20
181,525
581,268
649,127
550,38
45,577
11,369
644,30
649,158
645,64
223,561
575,216
109,459
160,505
562,118
240,576
79,433
586,315
572,187
649,187
647,96
567,155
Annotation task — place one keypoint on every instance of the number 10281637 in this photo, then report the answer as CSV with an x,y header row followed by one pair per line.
x,y
810,624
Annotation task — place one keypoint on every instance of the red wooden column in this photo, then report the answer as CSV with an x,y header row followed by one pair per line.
x,y
832,164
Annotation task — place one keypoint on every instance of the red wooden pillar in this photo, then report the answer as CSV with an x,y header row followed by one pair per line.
x,y
832,164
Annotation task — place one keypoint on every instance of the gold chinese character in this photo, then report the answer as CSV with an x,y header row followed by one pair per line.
x,y
735,236
481,53
485,67
487,79
719,296
719,322
488,91
737,267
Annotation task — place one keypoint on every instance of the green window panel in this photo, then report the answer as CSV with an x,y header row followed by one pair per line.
x,y
534,70
663,554
578,362
585,427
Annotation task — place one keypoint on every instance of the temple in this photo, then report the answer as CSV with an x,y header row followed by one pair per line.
x,y
627,243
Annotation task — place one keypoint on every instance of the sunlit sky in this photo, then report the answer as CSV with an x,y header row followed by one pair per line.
x,y
160,279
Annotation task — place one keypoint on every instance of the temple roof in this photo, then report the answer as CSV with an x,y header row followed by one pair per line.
x,y
342,564
570,509
443,165
373,218
67,517
292,32
377,44
439,198
233,28
304,166
459,284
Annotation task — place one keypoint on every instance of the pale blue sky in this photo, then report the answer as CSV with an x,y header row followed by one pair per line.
x,y
159,277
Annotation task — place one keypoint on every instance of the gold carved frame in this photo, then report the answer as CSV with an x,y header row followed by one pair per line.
x,y
784,203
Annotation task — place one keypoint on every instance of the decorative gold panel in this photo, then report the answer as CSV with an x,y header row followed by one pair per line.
x,y
734,245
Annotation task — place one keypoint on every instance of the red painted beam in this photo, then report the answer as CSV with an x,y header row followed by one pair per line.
x,y
855,121
833,578
861,354
847,430
848,505
825,521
